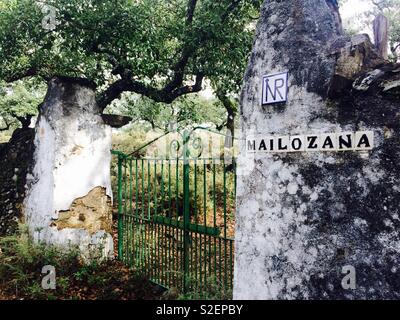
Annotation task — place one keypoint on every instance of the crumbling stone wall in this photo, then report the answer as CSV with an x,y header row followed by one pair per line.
x,y
15,162
303,217
91,213
56,177
68,202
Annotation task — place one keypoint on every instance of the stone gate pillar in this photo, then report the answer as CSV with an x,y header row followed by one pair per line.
x,y
318,199
68,201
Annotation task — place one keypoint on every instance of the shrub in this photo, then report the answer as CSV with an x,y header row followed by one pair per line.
x,y
21,263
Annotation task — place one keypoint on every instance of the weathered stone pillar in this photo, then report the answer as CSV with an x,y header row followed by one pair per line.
x,y
69,191
381,34
318,223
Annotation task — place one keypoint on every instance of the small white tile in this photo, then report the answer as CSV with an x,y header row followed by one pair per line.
x,y
282,142
312,142
250,142
364,140
345,137
297,143
329,140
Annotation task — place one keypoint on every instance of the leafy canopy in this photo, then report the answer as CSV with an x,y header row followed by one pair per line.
x,y
19,102
161,49
183,112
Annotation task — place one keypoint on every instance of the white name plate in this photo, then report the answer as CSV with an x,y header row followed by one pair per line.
x,y
345,141
275,88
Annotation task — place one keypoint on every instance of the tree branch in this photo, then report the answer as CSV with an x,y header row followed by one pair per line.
x,y
174,88
18,76
394,48
221,126
190,11
232,6
25,121
165,95
187,51
231,110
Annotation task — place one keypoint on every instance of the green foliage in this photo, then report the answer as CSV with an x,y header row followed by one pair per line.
x,y
5,136
183,112
21,262
144,36
212,289
156,48
19,100
130,139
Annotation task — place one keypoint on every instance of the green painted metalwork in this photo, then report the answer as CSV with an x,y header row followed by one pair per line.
x,y
176,217
186,213
120,227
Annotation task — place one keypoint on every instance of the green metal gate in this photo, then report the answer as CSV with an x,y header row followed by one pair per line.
x,y
176,217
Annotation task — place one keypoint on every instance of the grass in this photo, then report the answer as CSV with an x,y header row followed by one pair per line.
x,y
21,263
212,290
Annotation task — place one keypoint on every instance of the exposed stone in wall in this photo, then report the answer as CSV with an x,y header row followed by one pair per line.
x,y
71,167
91,213
355,57
302,217
15,160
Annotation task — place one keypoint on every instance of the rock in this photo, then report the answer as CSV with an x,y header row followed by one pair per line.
x,y
381,34
392,87
355,56
384,80
364,82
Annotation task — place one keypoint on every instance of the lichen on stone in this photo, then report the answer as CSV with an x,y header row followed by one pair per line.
x,y
302,217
